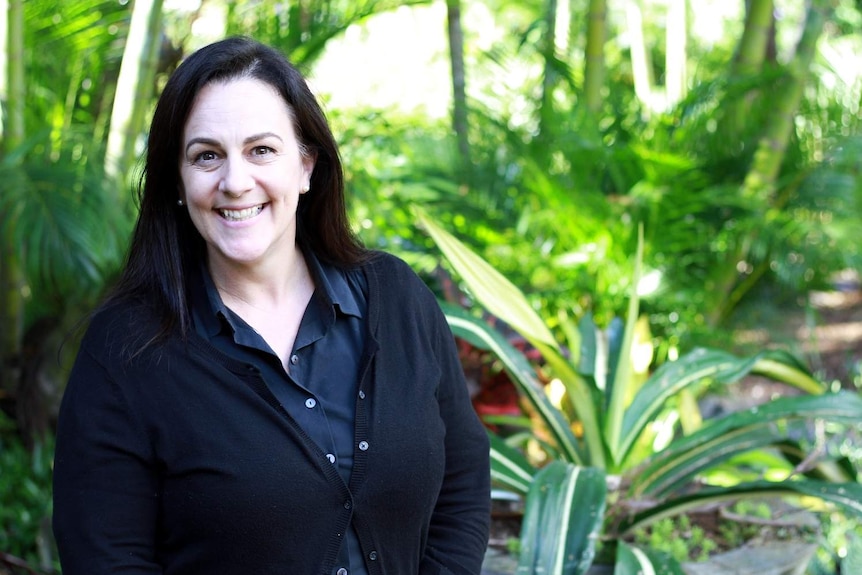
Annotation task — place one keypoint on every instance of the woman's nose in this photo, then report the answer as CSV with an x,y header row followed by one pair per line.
x,y
236,177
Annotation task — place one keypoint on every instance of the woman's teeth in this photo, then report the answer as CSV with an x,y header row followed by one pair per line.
x,y
239,215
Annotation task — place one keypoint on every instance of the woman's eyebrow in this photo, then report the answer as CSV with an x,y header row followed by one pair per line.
x,y
261,136
248,140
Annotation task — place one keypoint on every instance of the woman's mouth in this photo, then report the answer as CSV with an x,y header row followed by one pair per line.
x,y
240,215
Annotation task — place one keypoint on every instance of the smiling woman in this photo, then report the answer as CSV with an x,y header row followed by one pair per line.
x,y
261,394
242,172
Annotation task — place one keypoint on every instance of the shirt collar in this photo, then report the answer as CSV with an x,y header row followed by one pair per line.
x,y
333,285
333,290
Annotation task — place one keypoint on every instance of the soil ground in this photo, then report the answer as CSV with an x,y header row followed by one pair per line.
x,y
826,334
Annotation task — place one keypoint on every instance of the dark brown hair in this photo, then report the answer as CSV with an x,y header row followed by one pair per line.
x,y
165,243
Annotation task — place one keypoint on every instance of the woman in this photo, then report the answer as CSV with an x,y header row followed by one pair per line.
x,y
260,394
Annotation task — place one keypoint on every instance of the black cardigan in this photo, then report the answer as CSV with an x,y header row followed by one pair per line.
x,y
181,461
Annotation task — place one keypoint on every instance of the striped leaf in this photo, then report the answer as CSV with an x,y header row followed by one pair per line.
x,y
680,462
483,336
505,301
633,560
846,496
509,467
671,378
621,370
499,296
564,513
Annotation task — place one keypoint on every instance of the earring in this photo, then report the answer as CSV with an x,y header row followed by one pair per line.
x,y
180,203
306,188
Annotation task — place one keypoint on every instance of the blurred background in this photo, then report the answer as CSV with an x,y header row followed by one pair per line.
x,y
542,133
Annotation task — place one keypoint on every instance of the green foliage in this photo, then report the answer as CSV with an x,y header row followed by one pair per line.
x,y
67,226
25,498
677,537
612,411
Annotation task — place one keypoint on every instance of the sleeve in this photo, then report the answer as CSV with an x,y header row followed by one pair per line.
x,y
105,486
458,535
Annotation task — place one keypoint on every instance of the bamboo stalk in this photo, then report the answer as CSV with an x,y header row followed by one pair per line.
x,y
12,281
459,81
676,37
133,79
594,66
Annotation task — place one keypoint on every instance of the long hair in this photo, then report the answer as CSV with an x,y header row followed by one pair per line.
x,y
165,244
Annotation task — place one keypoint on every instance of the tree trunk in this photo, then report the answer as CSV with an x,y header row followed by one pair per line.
x,y
594,66
748,61
755,37
459,83
134,88
760,181
641,69
549,79
11,276
771,149
676,36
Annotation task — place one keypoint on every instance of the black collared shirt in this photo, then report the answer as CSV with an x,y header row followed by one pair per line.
x,y
319,390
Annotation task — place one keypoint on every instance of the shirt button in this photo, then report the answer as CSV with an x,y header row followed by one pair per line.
x,y
330,457
361,394
341,571
363,445
294,359
373,555
310,403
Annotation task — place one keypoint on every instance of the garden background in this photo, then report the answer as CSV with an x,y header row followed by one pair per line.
x,y
700,158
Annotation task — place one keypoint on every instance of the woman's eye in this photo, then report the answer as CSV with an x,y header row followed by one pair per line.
x,y
261,151
205,157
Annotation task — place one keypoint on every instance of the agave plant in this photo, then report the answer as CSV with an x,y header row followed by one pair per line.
x,y
569,509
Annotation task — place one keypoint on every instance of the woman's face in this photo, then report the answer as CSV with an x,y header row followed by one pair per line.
x,y
242,171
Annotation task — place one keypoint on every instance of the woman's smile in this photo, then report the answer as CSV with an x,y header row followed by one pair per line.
x,y
240,215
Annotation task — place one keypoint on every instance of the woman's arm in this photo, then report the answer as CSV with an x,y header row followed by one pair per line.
x,y
458,535
105,486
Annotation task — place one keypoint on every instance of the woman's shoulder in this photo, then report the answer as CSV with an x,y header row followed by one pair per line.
x,y
120,327
390,266
398,284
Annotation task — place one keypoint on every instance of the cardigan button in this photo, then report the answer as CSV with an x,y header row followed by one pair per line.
x,y
341,571
363,446
373,555
361,394
347,505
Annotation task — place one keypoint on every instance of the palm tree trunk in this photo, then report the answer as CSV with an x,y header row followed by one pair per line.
x,y
549,79
459,82
134,87
749,59
594,67
771,149
755,37
12,284
641,69
760,181
675,52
